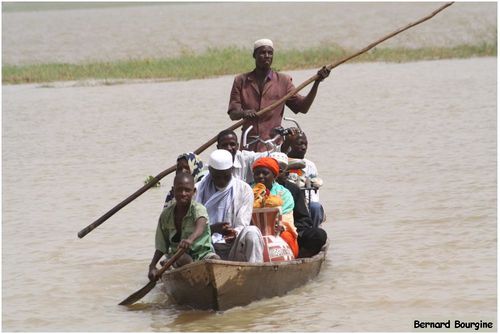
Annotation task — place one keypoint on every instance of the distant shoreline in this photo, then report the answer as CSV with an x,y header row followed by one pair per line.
x,y
26,7
216,62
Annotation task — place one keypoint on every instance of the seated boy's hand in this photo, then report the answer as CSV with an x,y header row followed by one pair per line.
x,y
186,244
153,273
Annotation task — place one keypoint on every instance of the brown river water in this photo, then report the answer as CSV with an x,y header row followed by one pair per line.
x,y
408,154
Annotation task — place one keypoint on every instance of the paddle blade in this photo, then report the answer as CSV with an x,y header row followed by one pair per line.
x,y
138,294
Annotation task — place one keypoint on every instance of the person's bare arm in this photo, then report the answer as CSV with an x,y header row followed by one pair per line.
x,y
200,224
306,102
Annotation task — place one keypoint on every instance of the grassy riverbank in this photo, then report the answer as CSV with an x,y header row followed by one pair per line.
x,y
215,62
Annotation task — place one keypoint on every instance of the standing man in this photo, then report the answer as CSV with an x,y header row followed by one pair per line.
x,y
260,88
229,203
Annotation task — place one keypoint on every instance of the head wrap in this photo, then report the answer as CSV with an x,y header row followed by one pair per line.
x,y
282,159
197,171
195,165
269,163
220,160
262,42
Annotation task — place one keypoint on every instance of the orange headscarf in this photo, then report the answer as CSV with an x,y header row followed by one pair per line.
x,y
269,163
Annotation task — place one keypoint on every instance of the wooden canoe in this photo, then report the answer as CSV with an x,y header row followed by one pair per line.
x,y
221,285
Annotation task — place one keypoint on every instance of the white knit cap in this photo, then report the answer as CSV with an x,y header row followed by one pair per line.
x,y
262,42
220,160
282,159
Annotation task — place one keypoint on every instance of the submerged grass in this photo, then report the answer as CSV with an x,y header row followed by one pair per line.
x,y
216,62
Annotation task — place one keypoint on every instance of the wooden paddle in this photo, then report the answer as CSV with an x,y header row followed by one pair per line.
x,y
203,147
148,287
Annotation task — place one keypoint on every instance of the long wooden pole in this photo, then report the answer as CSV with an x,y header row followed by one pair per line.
x,y
209,143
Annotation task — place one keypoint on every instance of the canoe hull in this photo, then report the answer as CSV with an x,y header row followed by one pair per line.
x,y
221,285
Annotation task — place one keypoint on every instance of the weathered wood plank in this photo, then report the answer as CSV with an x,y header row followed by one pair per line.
x,y
221,285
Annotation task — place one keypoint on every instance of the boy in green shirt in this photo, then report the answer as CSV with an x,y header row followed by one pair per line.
x,y
183,224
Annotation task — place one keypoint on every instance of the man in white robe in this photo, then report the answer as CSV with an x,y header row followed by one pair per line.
x,y
229,203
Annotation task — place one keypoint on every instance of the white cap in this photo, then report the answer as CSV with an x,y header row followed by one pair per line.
x,y
220,160
262,42
282,159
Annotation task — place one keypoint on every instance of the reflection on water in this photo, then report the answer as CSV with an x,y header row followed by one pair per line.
x,y
183,319
407,153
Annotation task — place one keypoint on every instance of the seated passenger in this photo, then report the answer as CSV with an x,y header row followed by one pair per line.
x,y
242,160
229,202
188,163
265,170
184,224
295,146
310,239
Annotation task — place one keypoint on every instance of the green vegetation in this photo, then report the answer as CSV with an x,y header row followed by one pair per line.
x,y
216,62
151,178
